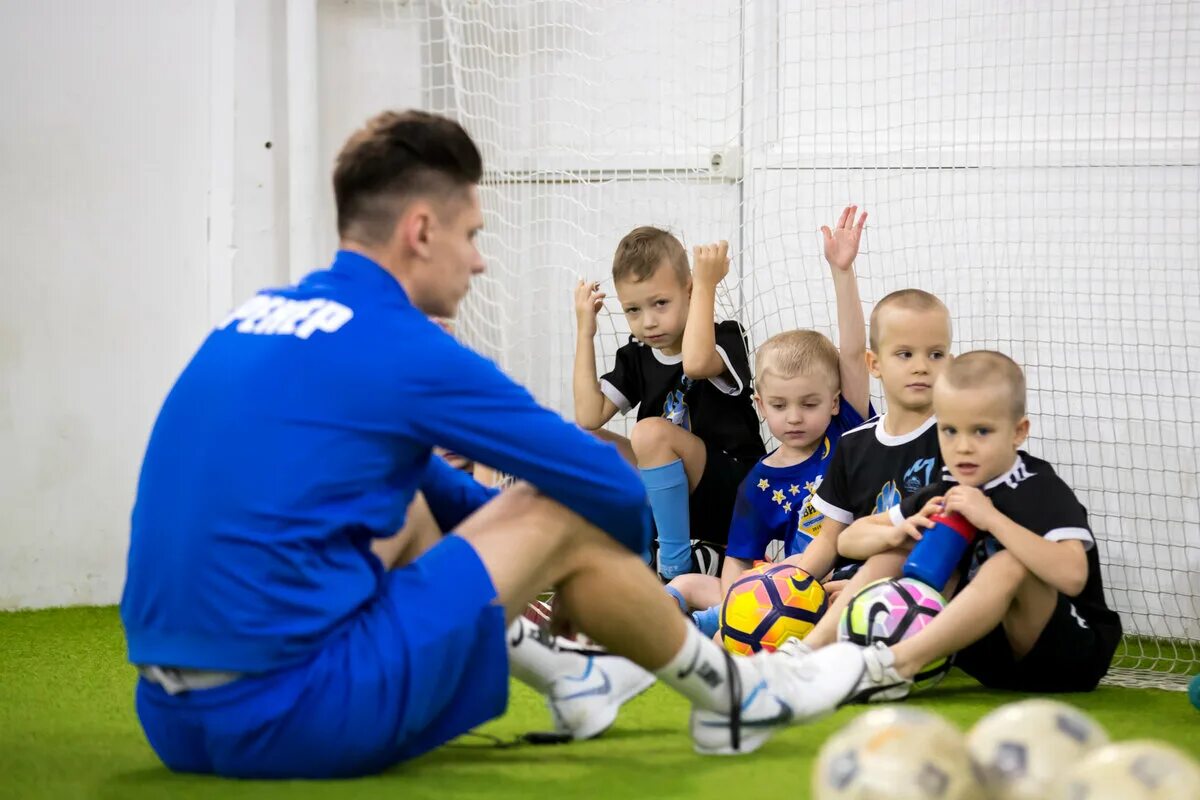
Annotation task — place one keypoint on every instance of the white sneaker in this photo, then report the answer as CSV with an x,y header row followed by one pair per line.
x,y
879,682
586,705
790,689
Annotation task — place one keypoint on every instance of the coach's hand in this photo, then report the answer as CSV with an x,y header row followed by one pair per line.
x,y
710,263
588,302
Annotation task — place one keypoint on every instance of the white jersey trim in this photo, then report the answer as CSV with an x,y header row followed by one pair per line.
x,y
831,511
734,387
614,394
895,515
1066,534
892,441
663,358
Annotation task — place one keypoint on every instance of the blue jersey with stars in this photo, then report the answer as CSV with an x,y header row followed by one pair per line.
x,y
299,432
775,503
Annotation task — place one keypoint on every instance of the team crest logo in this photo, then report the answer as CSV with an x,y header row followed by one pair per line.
x,y
918,475
888,496
675,409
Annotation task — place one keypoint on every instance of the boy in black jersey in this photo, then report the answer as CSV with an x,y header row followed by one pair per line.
x,y
888,458
1029,613
697,432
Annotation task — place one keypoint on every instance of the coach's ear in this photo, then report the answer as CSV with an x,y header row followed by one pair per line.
x,y
414,228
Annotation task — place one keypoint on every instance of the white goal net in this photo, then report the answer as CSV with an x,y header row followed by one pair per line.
x,y
1035,164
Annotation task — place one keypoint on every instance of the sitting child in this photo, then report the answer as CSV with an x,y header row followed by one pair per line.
x,y
689,377
809,394
1029,613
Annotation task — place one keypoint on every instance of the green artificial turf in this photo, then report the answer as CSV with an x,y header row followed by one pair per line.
x,y
68,729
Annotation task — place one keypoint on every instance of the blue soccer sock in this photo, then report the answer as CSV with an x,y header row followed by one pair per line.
x,y
677,596
667,487
708,620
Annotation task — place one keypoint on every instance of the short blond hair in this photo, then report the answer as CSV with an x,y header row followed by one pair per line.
x,y
980,368
909,299
793,353
643,250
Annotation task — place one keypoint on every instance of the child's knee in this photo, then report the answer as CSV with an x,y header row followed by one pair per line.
x,y
652,433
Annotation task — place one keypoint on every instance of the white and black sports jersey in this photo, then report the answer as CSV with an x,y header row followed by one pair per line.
x,y
872,471
1032,495
718,410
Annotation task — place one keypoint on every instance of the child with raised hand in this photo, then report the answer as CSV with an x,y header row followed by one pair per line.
x,y
809,393
886,459
689,378
1029,614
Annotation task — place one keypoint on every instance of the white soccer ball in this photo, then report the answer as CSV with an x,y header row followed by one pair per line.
x,y
1137,770
1020,748
899,753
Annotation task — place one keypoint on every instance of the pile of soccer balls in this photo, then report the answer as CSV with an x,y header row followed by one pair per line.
x,y
1030,750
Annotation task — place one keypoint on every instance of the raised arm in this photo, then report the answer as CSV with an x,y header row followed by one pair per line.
x,y
710,265
592,408
841,248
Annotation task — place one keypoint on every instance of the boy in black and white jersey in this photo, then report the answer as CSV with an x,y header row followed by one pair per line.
x,y
888,458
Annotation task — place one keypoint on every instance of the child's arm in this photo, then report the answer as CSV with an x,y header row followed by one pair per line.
x,y
733,569
1060,564
879,532
821,554
592,408
700,357
841,248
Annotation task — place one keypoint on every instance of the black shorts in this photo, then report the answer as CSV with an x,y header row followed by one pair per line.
x,y
711,504
1070,656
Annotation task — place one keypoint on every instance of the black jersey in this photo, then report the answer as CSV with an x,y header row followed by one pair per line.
x,y
718,410
1034,497
872,471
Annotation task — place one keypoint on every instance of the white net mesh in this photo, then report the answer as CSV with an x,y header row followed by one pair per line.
x,y
1035,164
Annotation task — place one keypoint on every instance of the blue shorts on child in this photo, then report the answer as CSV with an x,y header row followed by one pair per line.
x,y
422,663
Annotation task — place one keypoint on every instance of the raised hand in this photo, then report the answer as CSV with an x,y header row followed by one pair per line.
x,y
973,504
710,263
588,302
841,243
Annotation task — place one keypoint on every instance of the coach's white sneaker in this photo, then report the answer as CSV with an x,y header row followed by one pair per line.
x,y
880,682
789,689
585,706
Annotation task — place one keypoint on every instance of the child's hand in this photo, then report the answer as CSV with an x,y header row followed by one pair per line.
x,y
841,244
710,263
833,589
588,302
912,528
973,504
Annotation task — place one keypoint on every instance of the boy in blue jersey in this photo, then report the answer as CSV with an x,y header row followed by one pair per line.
x,y
809,393
270,640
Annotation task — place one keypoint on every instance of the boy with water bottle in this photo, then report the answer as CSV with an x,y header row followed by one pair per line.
x,y
1029,611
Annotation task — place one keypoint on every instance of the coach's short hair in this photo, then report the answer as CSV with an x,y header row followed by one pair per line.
x,y
980,368
641,252
793,353
910,299
395,157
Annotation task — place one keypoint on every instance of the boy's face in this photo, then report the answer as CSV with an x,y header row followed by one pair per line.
x,y
976,430
913,349
797,409
656,308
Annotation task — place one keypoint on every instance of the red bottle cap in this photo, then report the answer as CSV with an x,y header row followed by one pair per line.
x,y
957,522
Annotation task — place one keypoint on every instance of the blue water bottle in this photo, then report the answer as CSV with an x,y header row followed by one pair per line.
x,y
933,559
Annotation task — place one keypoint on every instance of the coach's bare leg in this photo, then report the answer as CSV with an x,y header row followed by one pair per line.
x,y
1004,592
530,543
420,532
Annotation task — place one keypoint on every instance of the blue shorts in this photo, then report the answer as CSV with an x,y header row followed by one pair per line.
x,y
424,662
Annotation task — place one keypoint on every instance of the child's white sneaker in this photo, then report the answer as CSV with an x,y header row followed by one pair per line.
x,y
790,688
585,706
880,682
